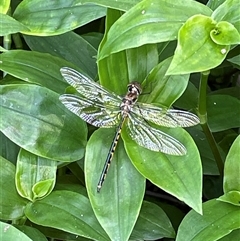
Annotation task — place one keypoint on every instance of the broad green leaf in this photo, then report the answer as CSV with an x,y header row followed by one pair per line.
x,y
152,224
32,232
162,89
234,235
213,4
10,233
35,176
232,197
72,207
196,51
189,99
231,91
208,162
46,18
134,64
4,6
223,112
181,176
11,204
156,21
8,149
34,67
79,52
122,5
225,34
218,220
235,60
9,25
232,168
118,212
228,11
35,119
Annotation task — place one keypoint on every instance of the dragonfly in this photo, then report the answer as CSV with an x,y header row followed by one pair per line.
x,y
100,108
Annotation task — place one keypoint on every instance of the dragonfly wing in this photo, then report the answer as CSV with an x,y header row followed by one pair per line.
x,y
95,113
165,117
88,88
153,139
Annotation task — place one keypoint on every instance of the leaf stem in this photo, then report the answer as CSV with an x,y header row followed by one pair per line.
x,y
202,109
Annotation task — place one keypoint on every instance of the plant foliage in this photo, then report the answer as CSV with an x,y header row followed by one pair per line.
x,y
185,54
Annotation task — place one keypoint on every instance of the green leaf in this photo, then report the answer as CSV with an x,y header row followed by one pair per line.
x,y
4,6
11,204
218,220
189,99
35,176
118,212
228,11
69,206
53,18
10,233
213,4
234,235
235,60
123,5
181,176
35,119
152,224
31,232
156,21
73,52
135,64
196,51
163,89
232,197
8,149
208,162
232,168
225,34
9,25
34,67
220,116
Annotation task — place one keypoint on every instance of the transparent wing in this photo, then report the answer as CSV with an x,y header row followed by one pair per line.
x,y
88,88
93,112
165,117
152,138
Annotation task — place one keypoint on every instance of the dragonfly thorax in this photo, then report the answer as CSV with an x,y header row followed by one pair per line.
x,y
134,90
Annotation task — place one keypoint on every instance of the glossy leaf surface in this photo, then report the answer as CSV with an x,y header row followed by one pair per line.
x,y
152,223
228,11
118,212
156,21
9,233
52,18
34,67
134,64
80,52
217,105
195,46
11,204
218,220
9,25
181,176
232,168
35,176
4,5
161,88
35,119
69,206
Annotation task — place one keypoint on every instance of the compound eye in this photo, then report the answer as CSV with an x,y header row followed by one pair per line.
x,y
130,87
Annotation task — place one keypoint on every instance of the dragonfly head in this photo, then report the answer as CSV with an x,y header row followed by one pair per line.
x,y
135,88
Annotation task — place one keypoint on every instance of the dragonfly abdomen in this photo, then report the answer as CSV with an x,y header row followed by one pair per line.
x,y
110,155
